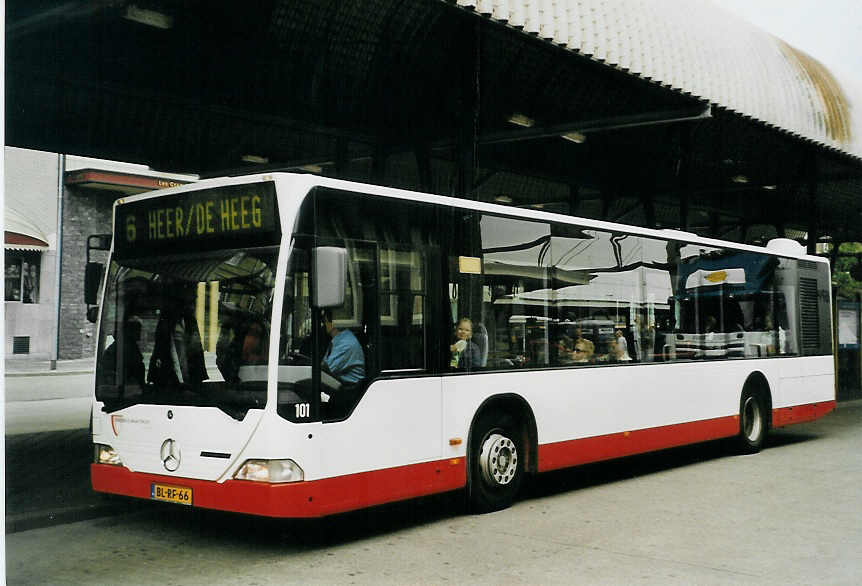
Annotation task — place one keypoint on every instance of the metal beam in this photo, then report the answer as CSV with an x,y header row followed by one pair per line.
x,y
599,125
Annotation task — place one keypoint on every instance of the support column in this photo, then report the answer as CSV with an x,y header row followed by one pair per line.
x,y
813,224
341,158
715,223
684,176
422,152
607,199
378,165
574,199
467,156
648,200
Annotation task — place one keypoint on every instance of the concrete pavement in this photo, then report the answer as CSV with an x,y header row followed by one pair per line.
x,y
48,445
48,481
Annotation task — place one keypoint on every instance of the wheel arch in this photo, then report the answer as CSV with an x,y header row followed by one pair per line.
x,y
758,384
518,407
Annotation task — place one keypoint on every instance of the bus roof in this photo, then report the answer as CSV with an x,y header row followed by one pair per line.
x,y
307,181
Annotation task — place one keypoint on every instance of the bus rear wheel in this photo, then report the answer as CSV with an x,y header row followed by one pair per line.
x,y
496,462
752,423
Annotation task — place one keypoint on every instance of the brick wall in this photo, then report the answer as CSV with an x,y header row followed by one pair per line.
x,y
85,212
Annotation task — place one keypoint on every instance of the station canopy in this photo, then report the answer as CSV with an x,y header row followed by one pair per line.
x,y
664,114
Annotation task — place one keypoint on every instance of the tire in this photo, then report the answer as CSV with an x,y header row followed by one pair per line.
x,y
496,462
753,423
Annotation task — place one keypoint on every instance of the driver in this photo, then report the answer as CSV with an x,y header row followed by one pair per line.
x,y
344,358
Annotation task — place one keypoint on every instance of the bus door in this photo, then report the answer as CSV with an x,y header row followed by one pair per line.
x,y
385,309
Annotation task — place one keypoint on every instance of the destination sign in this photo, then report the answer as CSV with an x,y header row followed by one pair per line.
x,y
235,215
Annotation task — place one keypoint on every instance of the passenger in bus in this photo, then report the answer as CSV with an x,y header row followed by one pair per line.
x,y
464,353
583,353
254,344
228,346
622,347
132,359
243,340
584,348
344,359
178,356
711,324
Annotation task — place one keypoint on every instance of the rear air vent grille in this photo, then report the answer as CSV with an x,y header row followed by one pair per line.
x,y
809,316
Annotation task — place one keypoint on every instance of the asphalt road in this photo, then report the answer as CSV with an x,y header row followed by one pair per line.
x,y
696,515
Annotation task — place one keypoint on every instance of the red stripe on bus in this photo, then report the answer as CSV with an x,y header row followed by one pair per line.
x,y
618,445
800,413
315,498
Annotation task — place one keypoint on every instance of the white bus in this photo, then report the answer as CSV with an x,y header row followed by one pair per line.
x,y
229,303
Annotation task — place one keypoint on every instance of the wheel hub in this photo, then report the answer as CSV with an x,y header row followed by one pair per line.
x,y
498,459
751,421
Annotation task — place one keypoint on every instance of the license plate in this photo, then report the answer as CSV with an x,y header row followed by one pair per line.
x,y
171,494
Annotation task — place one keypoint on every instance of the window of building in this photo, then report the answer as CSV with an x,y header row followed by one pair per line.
x,y
22,276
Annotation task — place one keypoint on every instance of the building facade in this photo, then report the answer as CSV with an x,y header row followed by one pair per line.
x,y
39,189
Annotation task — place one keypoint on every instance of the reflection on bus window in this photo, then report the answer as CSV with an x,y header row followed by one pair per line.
x,y
187,329
725,304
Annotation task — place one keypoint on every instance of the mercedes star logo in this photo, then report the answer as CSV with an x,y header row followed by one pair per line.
x,y
170,455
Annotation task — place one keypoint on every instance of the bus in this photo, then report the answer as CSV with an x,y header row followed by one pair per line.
x,y
295,346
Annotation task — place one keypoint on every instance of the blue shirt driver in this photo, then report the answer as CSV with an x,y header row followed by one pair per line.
x,y
344,359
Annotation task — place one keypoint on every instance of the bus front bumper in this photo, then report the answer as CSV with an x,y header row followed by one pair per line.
x,y
306,499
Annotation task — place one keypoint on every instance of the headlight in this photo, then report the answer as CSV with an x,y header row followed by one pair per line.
x,y
270,471
107,455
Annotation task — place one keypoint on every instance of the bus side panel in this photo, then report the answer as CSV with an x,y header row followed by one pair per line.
x,y
804,380
596,413
396,423
806,390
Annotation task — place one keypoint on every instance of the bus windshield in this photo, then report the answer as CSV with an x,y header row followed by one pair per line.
x,y
187,329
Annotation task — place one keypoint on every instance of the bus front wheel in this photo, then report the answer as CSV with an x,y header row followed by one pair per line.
x,y
752,423
496,466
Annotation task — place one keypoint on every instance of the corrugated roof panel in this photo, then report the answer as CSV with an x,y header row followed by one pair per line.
x,y
697,47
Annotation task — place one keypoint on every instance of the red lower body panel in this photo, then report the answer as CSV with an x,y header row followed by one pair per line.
x,y
801,413
629,443
317,498
314,498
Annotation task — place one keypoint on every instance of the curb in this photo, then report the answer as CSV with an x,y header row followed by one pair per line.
x,y
49,373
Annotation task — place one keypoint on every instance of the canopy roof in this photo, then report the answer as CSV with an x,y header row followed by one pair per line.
x,y
697,48
683,116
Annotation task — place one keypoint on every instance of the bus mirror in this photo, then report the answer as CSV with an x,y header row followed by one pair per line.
x,y
93,314
330,275
92,282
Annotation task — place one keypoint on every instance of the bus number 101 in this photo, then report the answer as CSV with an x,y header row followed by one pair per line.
x,y
303,410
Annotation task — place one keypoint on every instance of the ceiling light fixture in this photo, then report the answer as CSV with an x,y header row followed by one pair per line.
x,y
256,159
739,179
503,198
576,137
521,120
148,17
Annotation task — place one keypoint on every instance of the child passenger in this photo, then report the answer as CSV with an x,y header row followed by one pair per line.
x,y
464,353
